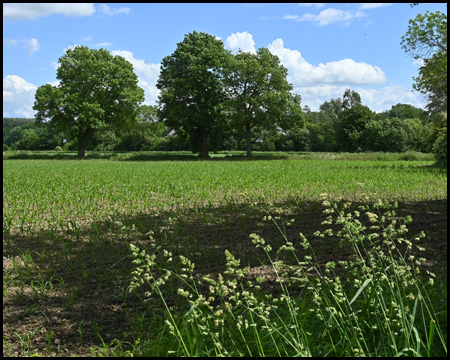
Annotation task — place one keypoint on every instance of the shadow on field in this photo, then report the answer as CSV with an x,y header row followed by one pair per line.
x,y
74,288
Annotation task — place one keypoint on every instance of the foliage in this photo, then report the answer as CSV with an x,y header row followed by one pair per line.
x,y
426,39
259,94
96,92
440,135
192,93
389,134
407,111
350,99
353,122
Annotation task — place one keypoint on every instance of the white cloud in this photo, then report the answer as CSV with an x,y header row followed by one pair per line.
x,y
11,42
378,100
31,46
384,98
291,17
346,71
368,6
331,16
317,5
103,44
18,97
317,84
33,10
147,74
240,40
105,9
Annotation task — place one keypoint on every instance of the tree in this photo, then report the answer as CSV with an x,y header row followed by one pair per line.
x,y
329,123
407,111
259,95
192,94
97,91
148,134
388,135
426,40
333,107
351,136
350,98
439,138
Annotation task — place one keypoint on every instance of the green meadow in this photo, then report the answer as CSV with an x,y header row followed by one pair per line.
x,y
156,254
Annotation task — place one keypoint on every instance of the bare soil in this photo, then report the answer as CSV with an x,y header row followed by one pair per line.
x,y
87,302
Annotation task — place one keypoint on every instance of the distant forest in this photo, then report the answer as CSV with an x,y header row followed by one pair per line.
x,y
333,128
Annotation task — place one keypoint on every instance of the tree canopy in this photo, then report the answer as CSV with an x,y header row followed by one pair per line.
x,y
259,94
96,91
426,40
192,93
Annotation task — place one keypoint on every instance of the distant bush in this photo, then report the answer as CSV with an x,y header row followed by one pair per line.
x,y
5,147
58,148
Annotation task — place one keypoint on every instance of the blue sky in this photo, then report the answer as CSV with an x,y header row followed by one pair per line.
x,y
326,48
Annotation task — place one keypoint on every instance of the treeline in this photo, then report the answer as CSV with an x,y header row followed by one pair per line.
x,y
340,125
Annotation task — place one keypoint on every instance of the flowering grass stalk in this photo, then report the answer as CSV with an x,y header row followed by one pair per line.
x,y
375,303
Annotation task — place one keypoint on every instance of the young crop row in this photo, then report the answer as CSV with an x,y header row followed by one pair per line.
x,y
75,236
43,192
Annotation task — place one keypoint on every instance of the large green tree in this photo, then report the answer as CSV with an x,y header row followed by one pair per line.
x,y
259,95
426,40
192,94
97,91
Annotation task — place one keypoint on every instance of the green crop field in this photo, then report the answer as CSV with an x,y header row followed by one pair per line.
x,y
99,254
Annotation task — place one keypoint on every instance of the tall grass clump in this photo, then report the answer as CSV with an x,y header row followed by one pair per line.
x,y
375,302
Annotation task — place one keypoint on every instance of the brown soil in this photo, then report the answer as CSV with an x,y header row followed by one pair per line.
x,y
73,309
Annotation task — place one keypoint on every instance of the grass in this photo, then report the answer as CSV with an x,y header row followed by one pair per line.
x,y
217,156
76,235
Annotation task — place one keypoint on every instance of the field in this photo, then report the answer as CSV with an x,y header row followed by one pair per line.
x,y
97,256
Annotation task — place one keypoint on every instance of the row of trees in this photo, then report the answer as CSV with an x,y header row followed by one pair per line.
x,y
205,90
341,124
211,99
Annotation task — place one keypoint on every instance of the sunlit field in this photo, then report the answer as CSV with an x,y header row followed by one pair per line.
x,y
167,255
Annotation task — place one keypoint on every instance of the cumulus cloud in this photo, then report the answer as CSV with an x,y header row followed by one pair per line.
x,y
33,10
384,98
331,16
105,9
240,40
378,100
147,74
317,84
346,71
18,97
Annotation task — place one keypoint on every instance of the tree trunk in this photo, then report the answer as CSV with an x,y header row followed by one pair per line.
x,y
205,152
82,143
249,142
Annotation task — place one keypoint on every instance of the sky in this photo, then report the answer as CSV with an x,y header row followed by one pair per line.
x,y
327,48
